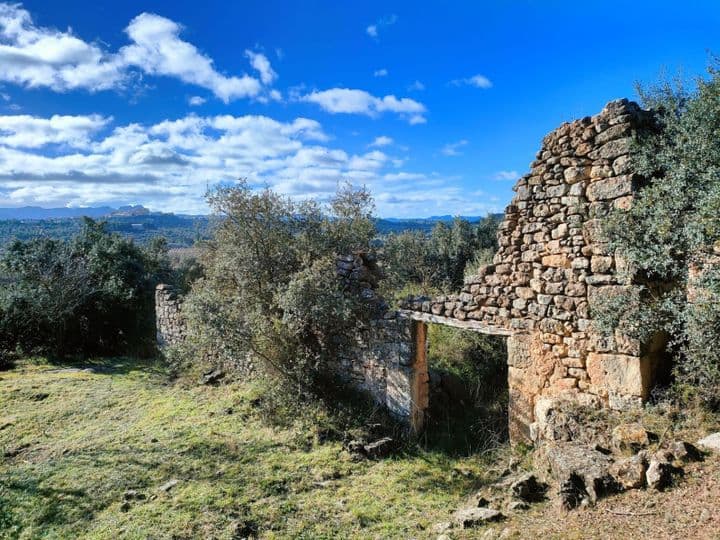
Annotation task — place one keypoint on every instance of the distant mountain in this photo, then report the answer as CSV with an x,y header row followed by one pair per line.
x,y
35,212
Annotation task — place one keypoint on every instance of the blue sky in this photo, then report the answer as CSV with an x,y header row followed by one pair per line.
x,y
438,108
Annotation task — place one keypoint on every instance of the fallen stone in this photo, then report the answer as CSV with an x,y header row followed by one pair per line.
x,y
528,488
629,472
711,442
442,527
380,448
659,474
684,451
467,518
167,486
581,472
133,495
630,437
213,376
516,506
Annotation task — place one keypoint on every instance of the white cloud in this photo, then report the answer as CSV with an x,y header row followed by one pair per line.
x,y
506,175
196,101
478,81
382,140
30,132
350,101
380,72
261,64
88,160
452,149
373,30
33,56
416,86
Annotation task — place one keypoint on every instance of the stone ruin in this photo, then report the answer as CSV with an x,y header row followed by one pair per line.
x,y
552,266
169,323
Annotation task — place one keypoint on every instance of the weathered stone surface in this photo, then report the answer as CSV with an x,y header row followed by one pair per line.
x,y
630,437
468,518
629,472
528,488
659,474
581,472
710,442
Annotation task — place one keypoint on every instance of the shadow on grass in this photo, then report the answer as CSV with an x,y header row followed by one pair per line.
x,y
121,365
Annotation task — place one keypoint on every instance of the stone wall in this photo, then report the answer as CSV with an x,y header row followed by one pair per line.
x,y
169,324
552,265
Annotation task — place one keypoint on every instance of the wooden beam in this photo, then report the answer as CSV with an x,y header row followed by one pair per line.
x,y
468,324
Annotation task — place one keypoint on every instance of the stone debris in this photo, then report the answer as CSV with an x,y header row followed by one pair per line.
x,y
167,486
468,518
528,489
659,474
684,452
213,376
630,437
629,472
711,442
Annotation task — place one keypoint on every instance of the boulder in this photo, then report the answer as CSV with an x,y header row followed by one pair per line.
x,y
528,488
630,437
629,473
212,376
581,471
380,448
659,474
711,442
684,451
467,518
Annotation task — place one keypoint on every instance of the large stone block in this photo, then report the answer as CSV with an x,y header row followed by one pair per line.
x,y
620,374
611,188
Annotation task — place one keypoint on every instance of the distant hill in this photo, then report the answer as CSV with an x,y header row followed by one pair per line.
x,y
141,224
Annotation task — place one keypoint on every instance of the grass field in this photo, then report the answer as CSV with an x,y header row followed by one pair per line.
x,y
120,450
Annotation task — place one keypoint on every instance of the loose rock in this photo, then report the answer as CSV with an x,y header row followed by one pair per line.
x,y
472,517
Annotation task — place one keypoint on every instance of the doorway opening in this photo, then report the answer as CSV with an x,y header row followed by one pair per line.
x,y
467,410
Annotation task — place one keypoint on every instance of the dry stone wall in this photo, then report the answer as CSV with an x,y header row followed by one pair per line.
x,y
169,323
552,265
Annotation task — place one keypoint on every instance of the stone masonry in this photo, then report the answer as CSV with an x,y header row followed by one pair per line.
x,y
552,265
169,324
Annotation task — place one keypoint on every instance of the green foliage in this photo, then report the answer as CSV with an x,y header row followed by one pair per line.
x,y
470,416
93,294
673,226
440,260
270,288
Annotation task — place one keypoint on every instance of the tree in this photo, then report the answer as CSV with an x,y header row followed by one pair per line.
x,y
270,288
93,294
671,234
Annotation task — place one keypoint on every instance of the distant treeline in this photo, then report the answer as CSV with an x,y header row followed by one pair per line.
x,y
179,231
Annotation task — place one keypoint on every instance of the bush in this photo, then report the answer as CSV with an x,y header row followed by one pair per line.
x,y
270,289
441,260
673,227
91,295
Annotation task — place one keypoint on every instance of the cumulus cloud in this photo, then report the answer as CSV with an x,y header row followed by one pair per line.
x,y
382,140
506,175
380,72
453,149
33,56
417,86
261,64
351,101
24,131
196,101
478,81
373,30
88,160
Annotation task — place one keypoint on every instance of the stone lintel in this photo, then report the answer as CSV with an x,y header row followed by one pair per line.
x,y
475,326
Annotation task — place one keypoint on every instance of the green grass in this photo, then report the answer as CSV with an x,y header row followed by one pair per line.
x,y
72,443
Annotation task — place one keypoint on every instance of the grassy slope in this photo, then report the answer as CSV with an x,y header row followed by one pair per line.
x,y
83,439
125,426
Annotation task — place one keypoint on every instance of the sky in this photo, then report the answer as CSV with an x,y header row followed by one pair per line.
x,y
438,108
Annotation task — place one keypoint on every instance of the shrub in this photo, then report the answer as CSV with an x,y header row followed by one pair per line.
x,y
270,288
673,227
442,259
91,295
